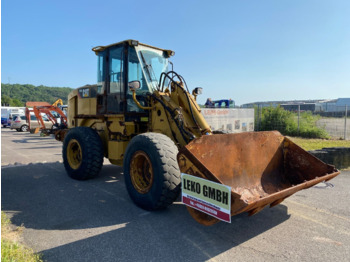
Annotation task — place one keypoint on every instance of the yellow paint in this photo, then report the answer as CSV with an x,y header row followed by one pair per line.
x,y
174,113
116,149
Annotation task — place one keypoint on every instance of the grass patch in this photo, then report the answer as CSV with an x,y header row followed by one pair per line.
x,y
11,249
313,144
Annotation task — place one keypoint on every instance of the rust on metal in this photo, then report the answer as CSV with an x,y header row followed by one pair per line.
x,y
141,172
34,103
262,168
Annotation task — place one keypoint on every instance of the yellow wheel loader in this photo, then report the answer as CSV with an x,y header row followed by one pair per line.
x,y
142,116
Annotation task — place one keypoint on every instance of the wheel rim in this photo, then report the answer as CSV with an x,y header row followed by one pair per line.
x,y
74,154
141,172
24,128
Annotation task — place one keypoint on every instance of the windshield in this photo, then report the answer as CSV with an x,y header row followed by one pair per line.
x,y
154,63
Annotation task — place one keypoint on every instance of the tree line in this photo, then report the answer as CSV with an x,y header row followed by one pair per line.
x,y
18,95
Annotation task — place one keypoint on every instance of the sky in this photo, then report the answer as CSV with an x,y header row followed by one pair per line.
x,y
246,50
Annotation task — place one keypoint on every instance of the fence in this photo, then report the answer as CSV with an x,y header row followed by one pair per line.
x,y
336,123
230,120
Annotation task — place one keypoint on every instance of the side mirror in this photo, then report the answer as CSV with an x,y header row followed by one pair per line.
x,y
197,91
134,85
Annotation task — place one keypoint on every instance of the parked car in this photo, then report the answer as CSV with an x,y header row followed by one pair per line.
x,y
20,123
3,121
11,118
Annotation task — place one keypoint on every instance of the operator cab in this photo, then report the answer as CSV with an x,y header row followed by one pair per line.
x,y
123,63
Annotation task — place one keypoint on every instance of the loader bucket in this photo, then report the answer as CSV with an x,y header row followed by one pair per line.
x,y
262,168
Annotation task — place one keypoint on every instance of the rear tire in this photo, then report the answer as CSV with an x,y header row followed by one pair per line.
x,y
82,153
152,174
24,128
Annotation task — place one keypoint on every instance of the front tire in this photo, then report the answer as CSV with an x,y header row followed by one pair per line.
x,y
152,174
82,153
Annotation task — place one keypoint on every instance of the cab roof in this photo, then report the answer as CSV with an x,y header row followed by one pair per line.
x,y
131,42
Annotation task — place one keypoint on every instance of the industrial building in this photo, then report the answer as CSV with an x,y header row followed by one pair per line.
x,y
320,105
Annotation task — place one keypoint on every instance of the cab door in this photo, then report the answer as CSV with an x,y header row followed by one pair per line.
x,y
101,94
115,91
110,81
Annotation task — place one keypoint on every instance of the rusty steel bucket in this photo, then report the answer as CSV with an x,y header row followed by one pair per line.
x,y
262,168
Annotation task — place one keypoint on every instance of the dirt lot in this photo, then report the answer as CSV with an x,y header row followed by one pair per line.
x,y
95,220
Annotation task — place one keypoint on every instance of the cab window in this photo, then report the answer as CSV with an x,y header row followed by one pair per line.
x,y
101,60
115,94
135,73
115,70
135,70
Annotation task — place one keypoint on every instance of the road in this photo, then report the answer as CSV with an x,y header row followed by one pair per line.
x,y
95,220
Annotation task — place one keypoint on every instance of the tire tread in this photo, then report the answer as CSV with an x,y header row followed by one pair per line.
x,y
92,164
166,151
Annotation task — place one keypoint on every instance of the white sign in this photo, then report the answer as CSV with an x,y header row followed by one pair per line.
x,y
206,196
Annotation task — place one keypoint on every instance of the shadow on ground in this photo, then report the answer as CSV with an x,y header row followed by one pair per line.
x,y
95,220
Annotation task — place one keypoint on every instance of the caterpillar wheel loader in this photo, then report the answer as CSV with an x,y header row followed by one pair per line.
x,y
142,116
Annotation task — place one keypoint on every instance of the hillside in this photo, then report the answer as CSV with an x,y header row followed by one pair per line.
x,y
18,95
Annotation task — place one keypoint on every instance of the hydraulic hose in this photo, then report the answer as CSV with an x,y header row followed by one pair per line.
x,y
138,103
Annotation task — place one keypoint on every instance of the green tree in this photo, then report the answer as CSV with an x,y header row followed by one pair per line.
x,y
16,102
5,100
286,122
18,95
276,118
308,127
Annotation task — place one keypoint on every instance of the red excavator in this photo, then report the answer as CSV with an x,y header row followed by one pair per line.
x,y
52,112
